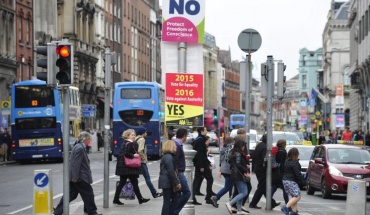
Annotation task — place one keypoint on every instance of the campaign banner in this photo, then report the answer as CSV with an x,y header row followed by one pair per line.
x,y
183,21
184,99
339,120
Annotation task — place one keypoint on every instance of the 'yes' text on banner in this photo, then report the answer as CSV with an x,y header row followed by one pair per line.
x,y
184,99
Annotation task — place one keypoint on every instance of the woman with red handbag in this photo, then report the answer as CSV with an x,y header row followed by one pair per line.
x,y
128,151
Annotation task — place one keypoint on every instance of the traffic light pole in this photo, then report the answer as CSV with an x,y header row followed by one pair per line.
x,y
270,93
65,91
108,62
248,86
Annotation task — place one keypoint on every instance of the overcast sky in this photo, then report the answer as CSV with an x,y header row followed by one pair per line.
x,y
285,26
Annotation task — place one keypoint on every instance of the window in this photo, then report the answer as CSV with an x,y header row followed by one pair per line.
x,y
346,77
304,81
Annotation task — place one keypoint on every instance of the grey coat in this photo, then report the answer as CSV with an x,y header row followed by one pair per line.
x,y
79,164
167,174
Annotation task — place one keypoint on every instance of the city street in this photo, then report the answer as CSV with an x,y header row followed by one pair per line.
x,y
16,185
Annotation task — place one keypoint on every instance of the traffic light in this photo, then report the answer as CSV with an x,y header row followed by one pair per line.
x,y
215,116
65,63
110,59
47,63
281,80
264,81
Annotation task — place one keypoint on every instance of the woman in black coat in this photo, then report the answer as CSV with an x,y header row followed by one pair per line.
x,y
168,180
128,149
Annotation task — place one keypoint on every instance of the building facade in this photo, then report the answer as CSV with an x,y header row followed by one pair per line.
x,y
8,57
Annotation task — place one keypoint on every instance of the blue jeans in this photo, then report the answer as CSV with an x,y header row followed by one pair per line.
x,y
169,201
184,194
243,191
144,170
227,187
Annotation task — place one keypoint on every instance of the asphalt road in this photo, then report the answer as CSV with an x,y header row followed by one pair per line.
x,y
16,187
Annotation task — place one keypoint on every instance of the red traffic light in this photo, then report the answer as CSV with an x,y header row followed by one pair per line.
x,y
63,51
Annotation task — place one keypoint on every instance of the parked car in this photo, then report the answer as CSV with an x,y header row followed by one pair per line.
x,y
333,165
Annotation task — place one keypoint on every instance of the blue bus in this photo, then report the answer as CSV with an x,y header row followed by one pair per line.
x,y
36,120
135,105
237,121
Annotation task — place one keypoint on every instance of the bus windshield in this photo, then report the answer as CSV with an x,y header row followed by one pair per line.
x,y
34,96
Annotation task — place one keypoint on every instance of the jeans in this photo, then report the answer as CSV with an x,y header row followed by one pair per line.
x,y
144,170
228,186
249,186
184,194
243,191
169,201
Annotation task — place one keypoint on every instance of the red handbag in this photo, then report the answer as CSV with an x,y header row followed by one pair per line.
x,y
134,162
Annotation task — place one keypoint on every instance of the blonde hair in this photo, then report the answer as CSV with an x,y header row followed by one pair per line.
x,y
169,147
126,134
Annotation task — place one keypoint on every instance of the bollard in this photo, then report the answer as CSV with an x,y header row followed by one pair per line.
x,y
42,193
356,197
189,155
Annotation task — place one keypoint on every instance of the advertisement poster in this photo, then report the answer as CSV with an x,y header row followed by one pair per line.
x,y
339,120
183,21
36,142
184,99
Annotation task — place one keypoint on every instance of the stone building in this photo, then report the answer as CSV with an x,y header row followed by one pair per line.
x,y
8,58
24,35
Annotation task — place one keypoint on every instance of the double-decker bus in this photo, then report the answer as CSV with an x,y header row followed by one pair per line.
x,y
136,105
237,121
36,120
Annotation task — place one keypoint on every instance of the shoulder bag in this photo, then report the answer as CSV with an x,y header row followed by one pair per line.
x,y
134,162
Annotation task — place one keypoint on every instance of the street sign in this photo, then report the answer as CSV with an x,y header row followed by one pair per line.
x,y
42,192
88,110
41,180
249,40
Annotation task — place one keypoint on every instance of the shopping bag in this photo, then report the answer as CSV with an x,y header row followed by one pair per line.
x,y
127,191
212,160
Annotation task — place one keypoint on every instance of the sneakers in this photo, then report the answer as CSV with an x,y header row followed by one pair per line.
x,y
234,210
284,209
241,212
228,206
214,201
245,209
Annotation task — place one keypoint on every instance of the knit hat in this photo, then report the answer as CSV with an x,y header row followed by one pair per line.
x,y
140,131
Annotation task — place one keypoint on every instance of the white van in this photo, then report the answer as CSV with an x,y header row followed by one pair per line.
x,y
253,139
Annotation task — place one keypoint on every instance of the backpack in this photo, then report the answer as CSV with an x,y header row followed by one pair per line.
x,y
274,163
227,153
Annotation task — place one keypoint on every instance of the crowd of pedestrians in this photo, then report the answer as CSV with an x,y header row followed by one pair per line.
x,y
234,166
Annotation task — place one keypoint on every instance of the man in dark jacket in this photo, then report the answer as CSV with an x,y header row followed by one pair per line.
x,y
185,193
202,166
258,167
80,177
